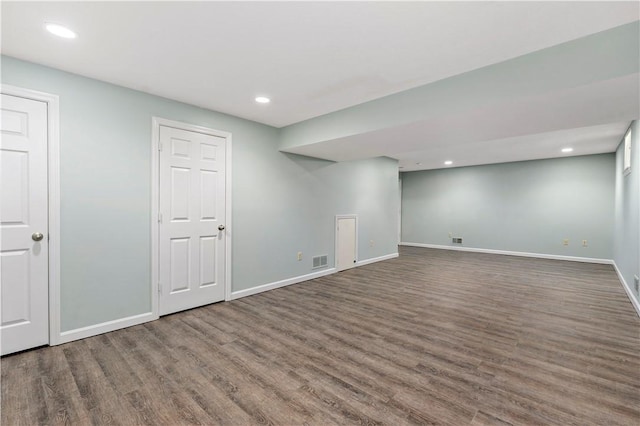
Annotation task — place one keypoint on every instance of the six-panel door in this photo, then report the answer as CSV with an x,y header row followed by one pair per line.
x,y
192,219
23,220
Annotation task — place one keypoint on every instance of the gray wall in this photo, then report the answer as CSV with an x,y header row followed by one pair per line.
x,y
626,242
528,206
282,203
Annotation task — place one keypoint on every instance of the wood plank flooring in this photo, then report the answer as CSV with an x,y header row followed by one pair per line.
x,y
432,337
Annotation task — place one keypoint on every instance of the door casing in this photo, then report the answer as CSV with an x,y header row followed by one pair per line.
x,y
155,204
53,189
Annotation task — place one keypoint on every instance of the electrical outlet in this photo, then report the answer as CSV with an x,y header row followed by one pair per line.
x,y
371,243
565,242
299,255
584,243
450,235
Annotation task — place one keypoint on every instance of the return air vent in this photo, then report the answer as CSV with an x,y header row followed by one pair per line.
x,y
320,261
456,240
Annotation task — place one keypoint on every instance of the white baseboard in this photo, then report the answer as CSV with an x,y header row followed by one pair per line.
x,y
513,253
105,327
295,280
289,281
376,259
627,288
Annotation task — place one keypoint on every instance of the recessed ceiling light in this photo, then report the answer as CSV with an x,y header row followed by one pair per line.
x,y
262,100
567,149
448,163
59,30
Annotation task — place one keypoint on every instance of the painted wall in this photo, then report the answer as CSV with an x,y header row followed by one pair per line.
x,y
290,204
626,242
528,206
282,203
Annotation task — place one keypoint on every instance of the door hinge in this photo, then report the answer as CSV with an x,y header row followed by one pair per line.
x,y
160,147
159,289
159,217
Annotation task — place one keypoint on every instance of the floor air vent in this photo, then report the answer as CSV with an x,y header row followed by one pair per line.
x,y
456,240
320,261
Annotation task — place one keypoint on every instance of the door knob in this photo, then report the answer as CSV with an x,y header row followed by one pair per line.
x,y
220,227
37,236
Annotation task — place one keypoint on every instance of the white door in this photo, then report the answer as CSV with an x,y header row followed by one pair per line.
x,y
24,248
346,251
192,219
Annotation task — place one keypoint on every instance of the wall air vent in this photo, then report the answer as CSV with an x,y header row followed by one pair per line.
x,y
320,261
456,240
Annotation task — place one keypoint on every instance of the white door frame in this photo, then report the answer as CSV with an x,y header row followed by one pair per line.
x,y
399,209
53,175
345,216
156,122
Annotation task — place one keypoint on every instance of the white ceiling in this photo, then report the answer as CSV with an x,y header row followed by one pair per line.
x,y
310,58
591,118
583,140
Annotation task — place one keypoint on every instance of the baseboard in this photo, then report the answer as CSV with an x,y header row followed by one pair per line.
x,y
513,253
105,327
295,280
376,259
277,284
627,288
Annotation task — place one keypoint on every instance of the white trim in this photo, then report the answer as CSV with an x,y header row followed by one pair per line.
x,y
338,217
156,122
399,208
155,210
512,253
376,259
627,289
53,175
229,219
277,284
295,280
105,327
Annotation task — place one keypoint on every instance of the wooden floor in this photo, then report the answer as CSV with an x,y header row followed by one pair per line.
x,y
433,337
